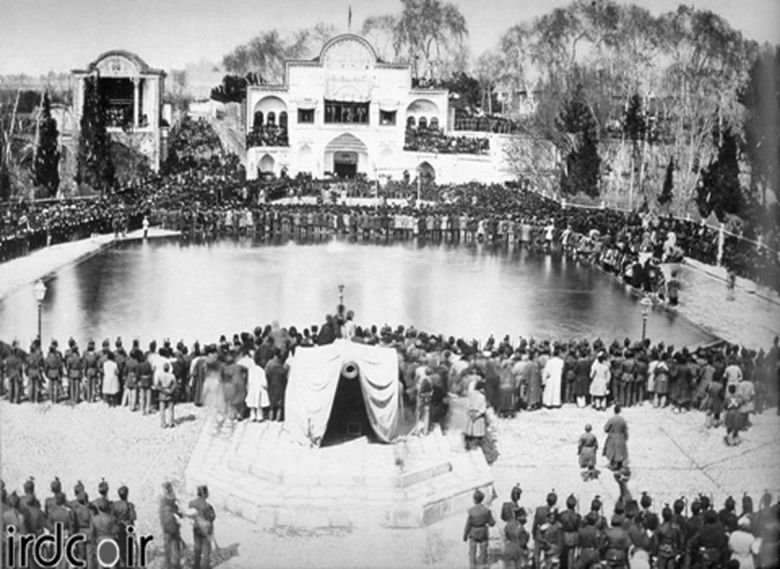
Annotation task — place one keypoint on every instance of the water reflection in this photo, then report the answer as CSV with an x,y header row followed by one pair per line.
x,y
199,291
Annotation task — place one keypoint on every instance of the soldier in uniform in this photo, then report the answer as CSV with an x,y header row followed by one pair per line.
x,y
120,357
551,540
52,365
90,367
540,518
202,528
13,372
124,515
13,516
171,527
669,541
102,499
516,537
570,522
103,527
35,371
50,502
75,367
617,543
63,515
590,541
31,509
83,521
476,532
708,548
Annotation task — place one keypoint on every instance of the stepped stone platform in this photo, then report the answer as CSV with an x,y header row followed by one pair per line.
x,y
258,473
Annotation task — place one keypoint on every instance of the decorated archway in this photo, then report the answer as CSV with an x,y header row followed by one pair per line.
x,y
347,154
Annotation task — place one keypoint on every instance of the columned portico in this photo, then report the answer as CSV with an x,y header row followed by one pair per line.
x,y
133,92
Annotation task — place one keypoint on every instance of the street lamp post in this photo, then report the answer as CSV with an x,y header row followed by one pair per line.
x,y
40,294
646,306
341,295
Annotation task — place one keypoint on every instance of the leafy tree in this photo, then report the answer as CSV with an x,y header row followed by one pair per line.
x,y
94,164
665,196
761,98
233,88
47,155
720,190
266,53
424,34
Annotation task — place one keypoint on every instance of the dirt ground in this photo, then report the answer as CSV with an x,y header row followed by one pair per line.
x,y
670,455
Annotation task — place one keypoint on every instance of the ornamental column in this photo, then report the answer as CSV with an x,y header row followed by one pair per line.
x,y
136,99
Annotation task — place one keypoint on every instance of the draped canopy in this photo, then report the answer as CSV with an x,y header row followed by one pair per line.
x,y
314,377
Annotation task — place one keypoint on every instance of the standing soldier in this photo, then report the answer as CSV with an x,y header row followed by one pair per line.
x,y
35,371
53,365
83,517
171,527
90,366
540,518
61,514
476,532
103,527
617,544
120,357
590,540
50,502
708,548
75,367
130,393
13,372
668,541
202,528
516,537
123,513
102,499
31,509
570,521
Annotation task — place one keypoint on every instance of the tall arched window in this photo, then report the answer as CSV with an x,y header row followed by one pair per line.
x,y
258,122
283,119
271,121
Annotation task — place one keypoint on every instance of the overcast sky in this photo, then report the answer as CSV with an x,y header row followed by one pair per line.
x,y
37,36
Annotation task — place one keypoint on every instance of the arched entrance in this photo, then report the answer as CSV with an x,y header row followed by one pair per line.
x,y
346,153
266,164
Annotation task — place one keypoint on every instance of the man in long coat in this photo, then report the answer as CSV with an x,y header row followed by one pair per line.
x,y
552,376
615,448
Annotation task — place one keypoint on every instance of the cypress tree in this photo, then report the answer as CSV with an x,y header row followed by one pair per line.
x,y
666,192
720,190
46,170
95,166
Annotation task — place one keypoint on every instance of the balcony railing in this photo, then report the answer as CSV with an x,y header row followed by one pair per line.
x,y
268,135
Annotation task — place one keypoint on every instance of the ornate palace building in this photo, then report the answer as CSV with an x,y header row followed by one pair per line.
x,y
134,94
348,112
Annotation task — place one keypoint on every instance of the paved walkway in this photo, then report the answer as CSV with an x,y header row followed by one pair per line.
x,y
19,272
752,319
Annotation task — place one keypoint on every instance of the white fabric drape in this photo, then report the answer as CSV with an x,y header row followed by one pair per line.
x,y
314,377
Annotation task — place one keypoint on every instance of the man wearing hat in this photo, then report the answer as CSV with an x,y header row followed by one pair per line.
x,y
124,515
165,384
90,366
102,499
53,368
476,532
48,503
13,372
589,540
669,541
516,538
570,523
615,448
708,547
617,543
35,371
74,366
203,516
540,518
171,527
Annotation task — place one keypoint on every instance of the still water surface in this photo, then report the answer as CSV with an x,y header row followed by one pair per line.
x,y
180,290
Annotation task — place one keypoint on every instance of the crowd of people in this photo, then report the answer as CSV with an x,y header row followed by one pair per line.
x,y
204,189
690,535
246,377
267,135
431,139
99,520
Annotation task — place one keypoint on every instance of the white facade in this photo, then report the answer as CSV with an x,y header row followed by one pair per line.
x,y
346,112
134,100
